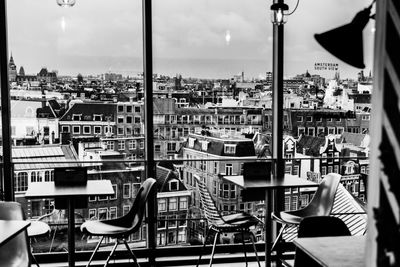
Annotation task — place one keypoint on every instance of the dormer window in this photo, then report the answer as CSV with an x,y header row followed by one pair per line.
x,y
229,149
76,117
97,117
173,185
191,142
204,145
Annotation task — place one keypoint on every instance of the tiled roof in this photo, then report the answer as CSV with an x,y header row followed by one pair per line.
x,y
352,138
244,147
312,144
89,109
343,206
49,156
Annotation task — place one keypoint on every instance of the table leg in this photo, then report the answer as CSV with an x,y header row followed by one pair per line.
x,y
268,226
71,233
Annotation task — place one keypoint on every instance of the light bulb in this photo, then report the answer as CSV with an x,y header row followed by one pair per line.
x,y
66,3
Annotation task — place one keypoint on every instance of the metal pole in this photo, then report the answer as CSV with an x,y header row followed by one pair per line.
x,y
277,113
7,183
149,135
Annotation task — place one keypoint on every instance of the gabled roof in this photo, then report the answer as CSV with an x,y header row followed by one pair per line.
x,y
163,176
311,144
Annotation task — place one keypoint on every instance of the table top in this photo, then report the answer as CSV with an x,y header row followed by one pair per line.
x,y
288,181
10,229
48,189
340,251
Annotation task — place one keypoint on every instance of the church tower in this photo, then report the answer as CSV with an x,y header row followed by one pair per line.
x,y
12,70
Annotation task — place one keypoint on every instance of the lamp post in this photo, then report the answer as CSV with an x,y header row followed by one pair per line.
x,y
278,20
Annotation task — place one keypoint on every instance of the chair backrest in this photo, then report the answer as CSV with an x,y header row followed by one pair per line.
x,y
15,253
322,202
318,226
210,210
133,219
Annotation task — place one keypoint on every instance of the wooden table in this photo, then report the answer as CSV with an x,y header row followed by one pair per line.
x,y
49,190
269,185
334,251
10,229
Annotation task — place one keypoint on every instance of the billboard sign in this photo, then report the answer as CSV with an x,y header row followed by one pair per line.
x,y
326,66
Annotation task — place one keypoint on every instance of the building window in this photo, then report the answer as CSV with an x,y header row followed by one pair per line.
x,y
135,188
120,119
137,119
173,186
162,204
157,148
114,186
21,183
102,198
103,213
97,129
126,190
323,170
110,145
47,176
97,117
86,129
125,210
129,119
120,130
331,130
113,212
76,130
301,131
65,129
128,130
321,131
311,131
120,108
365,117
92,214
216,167
229,149
228,168
76,117
183,203
132,144
191,142
121,145
318,119
309,118
299,118
172,205
137,109
92,198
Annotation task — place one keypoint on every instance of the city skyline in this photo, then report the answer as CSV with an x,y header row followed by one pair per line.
x,y
196,39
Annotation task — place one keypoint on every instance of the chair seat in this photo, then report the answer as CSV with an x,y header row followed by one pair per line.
x,y
38,228
287,217
103,228
237,220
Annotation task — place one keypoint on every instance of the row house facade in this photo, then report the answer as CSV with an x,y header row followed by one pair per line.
x,y
118,126
212,156
173,200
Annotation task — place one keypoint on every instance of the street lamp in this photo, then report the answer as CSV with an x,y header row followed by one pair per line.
x,y
66,3
277,15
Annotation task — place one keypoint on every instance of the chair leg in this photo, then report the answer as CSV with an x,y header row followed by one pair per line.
x,y
204,245
52,239
244,248
133,255
213,249
94,252
283,227
112,253
253,239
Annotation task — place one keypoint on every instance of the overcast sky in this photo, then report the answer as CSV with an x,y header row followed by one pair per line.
x,y
198,38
